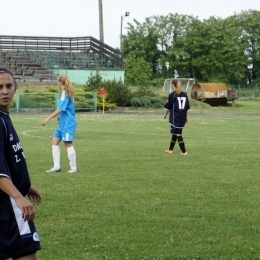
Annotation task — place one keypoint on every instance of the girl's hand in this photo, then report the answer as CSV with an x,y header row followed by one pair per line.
x,y
34,195
26,208
45,121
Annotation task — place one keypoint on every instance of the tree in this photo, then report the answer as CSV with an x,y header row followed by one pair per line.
x,y
141,41
94,81
215,49
250,22
137,69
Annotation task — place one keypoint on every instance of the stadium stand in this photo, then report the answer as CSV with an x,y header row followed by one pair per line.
x,y
35,59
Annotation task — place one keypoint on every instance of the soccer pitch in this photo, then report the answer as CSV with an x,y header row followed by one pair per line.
x,y
131,201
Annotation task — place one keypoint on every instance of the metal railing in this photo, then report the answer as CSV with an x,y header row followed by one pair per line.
x,y
86,45
49,101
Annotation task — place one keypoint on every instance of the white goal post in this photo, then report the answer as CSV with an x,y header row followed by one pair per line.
x,y
187,84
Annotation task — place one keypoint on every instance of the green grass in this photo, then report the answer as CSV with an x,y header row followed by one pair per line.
x,y
250,106
131,201
243,106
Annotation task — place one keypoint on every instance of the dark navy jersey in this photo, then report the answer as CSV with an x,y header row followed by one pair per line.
x,y
178,105
12,159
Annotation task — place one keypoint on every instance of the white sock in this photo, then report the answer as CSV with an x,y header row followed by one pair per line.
x,y
56,156
72,158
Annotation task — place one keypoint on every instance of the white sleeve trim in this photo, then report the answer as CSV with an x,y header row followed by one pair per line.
x,y
4,175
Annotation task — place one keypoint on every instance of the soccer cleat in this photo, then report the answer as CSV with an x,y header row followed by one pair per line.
x,y
168,151
71,171
54,170
181,153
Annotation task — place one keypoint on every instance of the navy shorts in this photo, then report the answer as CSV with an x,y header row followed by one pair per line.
x,y
175,130
17,237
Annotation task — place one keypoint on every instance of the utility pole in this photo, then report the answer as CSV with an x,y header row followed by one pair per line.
x,y
121,33
101,31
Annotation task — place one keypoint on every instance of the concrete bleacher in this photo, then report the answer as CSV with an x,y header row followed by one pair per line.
x,y
37,59
25,68
76,60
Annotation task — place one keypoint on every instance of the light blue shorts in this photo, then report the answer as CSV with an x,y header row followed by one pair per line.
x,y
64,136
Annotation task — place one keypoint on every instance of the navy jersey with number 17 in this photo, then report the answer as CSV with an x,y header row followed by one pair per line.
x,y
178,105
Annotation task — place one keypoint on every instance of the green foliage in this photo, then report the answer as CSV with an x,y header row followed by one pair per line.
x,y
39,89
94,81
135,102
148,102
26,90
250,22
118,92
108,105
143,91
84,101
47,100
137,69
77,89
141,51
52,89
37,101
145,97
181,45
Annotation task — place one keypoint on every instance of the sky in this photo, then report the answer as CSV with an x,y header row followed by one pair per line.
x,y
72,18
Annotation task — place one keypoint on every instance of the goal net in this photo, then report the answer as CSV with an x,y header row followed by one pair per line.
x,y
187,84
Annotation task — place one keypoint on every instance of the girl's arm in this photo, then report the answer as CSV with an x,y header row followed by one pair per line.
x,y
25,206
166,113
52,115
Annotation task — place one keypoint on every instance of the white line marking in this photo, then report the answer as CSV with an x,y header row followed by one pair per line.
x,y
26,133
36,136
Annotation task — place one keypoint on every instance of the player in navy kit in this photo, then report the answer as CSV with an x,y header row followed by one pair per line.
x,y
18,237
178,105
67,125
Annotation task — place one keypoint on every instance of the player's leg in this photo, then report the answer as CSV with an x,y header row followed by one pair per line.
x,y
181,143
172,144
55,140
173,140
68,139
71,156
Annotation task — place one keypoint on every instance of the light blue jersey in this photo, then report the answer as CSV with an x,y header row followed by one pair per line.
x,y
67,120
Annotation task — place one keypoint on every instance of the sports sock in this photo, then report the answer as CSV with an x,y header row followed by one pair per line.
x,y
181,144
72,158
173,141
56,156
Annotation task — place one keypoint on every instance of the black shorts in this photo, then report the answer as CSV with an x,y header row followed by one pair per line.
x,y
17,237
175,130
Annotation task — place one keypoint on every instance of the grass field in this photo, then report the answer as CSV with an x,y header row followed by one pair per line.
x,y
131,201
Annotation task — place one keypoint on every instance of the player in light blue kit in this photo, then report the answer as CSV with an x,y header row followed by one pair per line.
x,y
67,125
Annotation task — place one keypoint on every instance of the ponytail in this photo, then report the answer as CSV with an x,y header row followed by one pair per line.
x,y
65,81
177,85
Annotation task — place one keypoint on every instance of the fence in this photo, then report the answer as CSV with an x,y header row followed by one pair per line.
x,y
49,101
247,91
